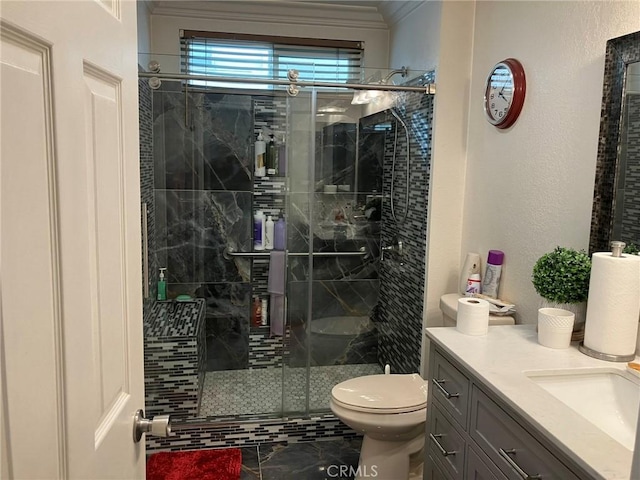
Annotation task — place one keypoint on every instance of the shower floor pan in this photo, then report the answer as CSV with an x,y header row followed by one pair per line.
x,y
259,391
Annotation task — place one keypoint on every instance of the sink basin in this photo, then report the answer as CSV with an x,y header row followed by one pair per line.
x,y
608,398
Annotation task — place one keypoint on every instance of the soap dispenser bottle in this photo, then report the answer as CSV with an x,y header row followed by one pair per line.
x,y
162,286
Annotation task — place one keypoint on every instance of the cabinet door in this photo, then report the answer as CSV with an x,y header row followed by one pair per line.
x,y
516,453
451,388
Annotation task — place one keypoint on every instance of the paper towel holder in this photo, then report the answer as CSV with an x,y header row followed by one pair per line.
x,y
616,251
606,356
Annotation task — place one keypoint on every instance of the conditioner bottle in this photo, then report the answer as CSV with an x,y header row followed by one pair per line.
x,y
258,231
280,234
268,233
260,151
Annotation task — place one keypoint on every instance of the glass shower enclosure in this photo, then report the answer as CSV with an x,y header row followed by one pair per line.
x,y
201,192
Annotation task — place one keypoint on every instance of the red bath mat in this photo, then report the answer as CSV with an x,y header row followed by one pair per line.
x,y
222,464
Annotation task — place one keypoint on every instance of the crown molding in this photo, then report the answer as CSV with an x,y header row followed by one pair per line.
x,y
293,12
394,11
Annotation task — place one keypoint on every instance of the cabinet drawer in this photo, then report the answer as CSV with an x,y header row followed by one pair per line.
x,y
515,452
479,467
451,388
445,443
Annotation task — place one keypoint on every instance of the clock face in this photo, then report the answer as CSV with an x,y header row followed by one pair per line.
x,y
504,93
499,94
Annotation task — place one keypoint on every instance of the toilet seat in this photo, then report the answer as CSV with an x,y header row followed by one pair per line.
x,y
401,393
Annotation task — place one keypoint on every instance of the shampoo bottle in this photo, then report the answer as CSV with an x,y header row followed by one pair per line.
x,y
280,234
256,312
282,158
258,231
272,157
260,150
264,312
162,286
491,280
268,233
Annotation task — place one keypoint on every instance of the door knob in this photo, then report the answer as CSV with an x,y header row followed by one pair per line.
x,y
159,425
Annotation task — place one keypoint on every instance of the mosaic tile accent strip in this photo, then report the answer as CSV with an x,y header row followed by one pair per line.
x,y
402,280
259,391
620,52
627,219
264,350
269,195
174,358
211,435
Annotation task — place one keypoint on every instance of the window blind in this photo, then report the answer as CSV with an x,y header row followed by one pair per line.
x,y
265,57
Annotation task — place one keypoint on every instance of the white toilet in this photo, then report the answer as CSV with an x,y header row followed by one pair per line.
x,y
390,411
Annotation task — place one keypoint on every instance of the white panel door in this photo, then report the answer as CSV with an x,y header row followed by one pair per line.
x,y
71,365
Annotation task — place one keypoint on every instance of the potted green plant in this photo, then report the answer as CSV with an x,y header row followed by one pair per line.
x,y
561,278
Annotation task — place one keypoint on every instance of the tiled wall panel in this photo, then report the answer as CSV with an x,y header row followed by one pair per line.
x,y
174,358
189,437
402,279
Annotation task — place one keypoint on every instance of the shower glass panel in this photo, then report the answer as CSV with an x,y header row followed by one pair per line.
x,y
333,192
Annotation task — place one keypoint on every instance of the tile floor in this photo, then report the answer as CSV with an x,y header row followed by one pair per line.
x,y
259,391
306,461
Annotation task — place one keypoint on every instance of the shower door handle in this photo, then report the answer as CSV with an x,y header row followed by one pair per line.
x,y
159,425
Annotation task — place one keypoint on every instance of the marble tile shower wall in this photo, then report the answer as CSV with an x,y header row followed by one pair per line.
x,y
631,182
402,283
204,196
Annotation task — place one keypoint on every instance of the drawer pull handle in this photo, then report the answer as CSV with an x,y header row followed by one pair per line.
x,y
438,383
435,438
506,455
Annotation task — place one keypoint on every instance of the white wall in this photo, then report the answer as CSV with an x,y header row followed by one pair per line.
x,y
144,27
423,25
530,188
439,35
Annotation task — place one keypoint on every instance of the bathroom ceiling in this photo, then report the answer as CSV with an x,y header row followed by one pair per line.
x,y
381,14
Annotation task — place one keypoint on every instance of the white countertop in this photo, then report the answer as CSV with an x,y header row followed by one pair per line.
x,y
499,359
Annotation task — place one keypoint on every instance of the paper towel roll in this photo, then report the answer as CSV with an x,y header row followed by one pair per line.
x,y
473,316
614,304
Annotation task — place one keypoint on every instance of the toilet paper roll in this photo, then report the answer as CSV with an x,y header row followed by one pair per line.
x,y
473,316
613,306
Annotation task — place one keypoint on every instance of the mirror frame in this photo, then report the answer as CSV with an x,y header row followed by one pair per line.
x,y
620,52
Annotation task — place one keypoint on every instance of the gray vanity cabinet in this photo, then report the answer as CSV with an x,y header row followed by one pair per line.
x,y
471,434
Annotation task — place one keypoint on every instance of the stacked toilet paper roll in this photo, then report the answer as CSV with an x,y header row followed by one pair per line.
x,y
614,304
473,316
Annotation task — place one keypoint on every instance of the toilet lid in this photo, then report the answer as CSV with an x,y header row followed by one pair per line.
x,y
389,393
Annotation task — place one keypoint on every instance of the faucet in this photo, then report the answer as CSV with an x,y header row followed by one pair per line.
x,y
395,249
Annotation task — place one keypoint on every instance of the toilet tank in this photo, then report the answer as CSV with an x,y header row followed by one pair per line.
x,y
449,308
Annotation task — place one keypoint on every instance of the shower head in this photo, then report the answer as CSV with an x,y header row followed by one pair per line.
x,y
363,97
403,71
